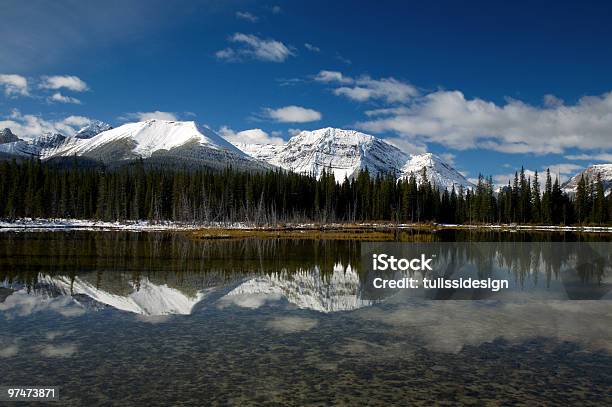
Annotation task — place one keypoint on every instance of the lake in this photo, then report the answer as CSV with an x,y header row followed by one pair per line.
x,y
152,318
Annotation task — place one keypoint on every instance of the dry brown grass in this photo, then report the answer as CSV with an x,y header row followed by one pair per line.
x,y
379,232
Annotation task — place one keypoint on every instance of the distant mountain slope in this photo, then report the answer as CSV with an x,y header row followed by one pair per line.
x,y
7,136
92,129
264,152
307,289
590,173
346,152
143,139
156,141
438,172
38,147
342,152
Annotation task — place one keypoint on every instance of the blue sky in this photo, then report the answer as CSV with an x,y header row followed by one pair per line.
x,y
488,86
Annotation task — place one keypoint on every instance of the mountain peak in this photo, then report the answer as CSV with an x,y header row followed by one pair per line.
x,y
7,136
94,128
143,139
590,173
339,151
49,140
345,152
438,171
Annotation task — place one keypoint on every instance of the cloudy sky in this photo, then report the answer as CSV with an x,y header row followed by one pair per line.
x,y
488,87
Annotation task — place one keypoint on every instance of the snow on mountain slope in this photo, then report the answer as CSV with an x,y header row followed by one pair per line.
x,y
35,148
143,139
92,129
7,136
590,173
146,299
20,148
307,289
264,152
438,172
345,152
342,152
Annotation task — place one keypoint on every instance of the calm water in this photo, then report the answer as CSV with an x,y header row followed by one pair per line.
x,y
157,319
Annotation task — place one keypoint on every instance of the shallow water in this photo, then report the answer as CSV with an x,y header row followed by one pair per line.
x,y
157,319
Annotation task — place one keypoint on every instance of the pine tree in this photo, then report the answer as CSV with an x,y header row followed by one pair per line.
x,y
600,213
536,204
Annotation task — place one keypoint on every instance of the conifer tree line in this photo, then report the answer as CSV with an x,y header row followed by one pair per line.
x,y
137,192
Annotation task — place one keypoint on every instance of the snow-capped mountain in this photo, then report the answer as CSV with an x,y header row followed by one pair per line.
x,y
438,172
38,147
345,152
307,289
94,128
7,136
49,140
590,174
183,143
341,152
263,152
147,298
143,139
20,148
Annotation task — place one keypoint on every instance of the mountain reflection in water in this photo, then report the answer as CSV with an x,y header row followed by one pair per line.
x,y
206,316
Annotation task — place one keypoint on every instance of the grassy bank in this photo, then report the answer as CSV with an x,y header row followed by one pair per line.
x,y
371,232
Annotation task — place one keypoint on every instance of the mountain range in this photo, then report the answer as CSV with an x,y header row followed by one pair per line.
x,y
340,290
157,141
604,171
340,152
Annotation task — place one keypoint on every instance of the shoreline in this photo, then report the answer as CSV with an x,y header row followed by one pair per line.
x,y
291,230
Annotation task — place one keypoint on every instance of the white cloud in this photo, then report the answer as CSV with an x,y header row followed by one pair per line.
x,y
76,121
71,82
276,10
343,59
21,304
388,89
366,88
502,179
406,145
245,15
252,47
312,48
552,101
247,300
590,157
562,170
58,97
251,136
448,118
332,76
449,158
227,54
14,85
26,126
142,116
387,111
565,170
293,114
294,132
